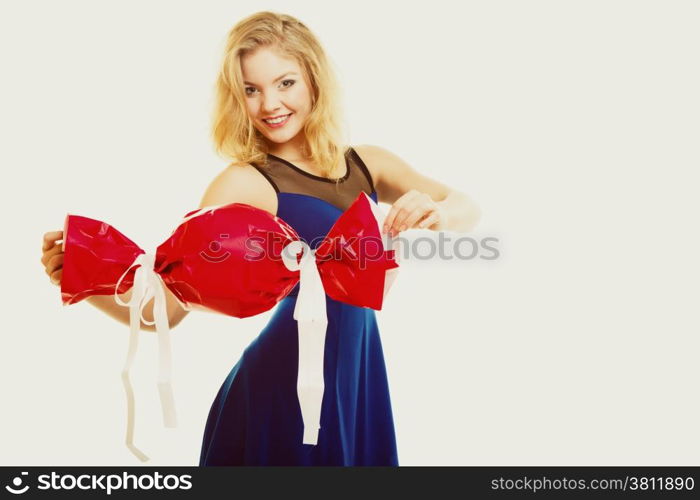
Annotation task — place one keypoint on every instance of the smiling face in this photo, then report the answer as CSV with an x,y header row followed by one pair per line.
x,y
276,88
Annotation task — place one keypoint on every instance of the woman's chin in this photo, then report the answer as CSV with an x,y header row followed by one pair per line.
x,y
281,138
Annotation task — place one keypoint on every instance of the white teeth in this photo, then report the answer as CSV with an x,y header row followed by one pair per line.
x,y
277,120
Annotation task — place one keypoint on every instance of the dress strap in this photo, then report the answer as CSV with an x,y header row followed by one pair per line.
x,y
262,171
363,167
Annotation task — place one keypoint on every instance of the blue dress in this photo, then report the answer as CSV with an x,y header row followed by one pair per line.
x,y
255,418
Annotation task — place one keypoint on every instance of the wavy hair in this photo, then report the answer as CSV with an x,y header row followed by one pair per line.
x,y
233,131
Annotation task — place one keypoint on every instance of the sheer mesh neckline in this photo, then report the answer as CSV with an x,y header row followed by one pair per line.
x,y
285,177
317,177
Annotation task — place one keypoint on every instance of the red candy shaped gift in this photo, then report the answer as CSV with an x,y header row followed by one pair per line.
x,y
240,261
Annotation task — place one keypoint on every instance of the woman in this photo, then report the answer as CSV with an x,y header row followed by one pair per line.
x,y
277,117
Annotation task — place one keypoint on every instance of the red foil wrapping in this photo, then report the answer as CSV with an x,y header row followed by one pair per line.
x,y
227,259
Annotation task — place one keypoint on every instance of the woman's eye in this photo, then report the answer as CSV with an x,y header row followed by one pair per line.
x,y
291,82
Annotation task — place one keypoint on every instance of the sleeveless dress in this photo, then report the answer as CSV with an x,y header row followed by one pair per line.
x,y
255,418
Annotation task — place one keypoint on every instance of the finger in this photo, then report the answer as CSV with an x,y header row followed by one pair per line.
x,y
50,239
53,271
413,211
50,253
396,208
399,215
56,276
422,206
418,214
429,220
400,223
54,263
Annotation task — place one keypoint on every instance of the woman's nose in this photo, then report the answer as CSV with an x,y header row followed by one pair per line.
x,y
270,104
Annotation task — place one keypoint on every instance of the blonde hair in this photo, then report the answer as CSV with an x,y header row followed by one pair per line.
x,y
232,129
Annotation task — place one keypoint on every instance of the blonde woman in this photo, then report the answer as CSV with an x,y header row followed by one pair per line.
x,y
277,117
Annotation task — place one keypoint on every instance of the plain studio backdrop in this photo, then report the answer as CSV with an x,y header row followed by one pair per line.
x,y
574,125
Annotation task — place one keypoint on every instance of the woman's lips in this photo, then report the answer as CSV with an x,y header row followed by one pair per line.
x,y
278,125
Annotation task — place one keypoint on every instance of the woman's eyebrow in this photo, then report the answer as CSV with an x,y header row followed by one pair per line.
x,y
276,79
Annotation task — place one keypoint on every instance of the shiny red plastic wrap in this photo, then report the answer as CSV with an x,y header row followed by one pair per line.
x,y
228,259
240,261
214,260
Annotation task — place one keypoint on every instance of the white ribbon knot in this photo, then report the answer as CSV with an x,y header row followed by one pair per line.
x,y
147,285
312,321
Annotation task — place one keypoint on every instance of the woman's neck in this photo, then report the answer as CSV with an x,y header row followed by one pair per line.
x,y
292,150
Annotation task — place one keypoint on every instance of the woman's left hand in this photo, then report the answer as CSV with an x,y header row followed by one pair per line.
x,y
415,209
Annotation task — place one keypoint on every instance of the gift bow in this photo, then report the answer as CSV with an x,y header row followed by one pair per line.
x,y
340,266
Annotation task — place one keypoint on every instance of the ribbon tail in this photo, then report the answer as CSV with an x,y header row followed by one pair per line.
x,y
312,322
165,388
134,318
310,385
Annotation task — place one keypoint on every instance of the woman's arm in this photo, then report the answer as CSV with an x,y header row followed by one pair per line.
x,y
109,306
417,200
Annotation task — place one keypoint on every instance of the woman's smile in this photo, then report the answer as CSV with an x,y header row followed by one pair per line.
x,y
277,122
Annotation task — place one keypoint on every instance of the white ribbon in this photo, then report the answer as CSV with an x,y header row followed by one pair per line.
x,y
147,285
310,313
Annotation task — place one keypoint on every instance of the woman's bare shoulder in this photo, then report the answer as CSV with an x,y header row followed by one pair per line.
x,y
241,183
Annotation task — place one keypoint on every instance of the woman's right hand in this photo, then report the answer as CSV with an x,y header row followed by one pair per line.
x,y
52,256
